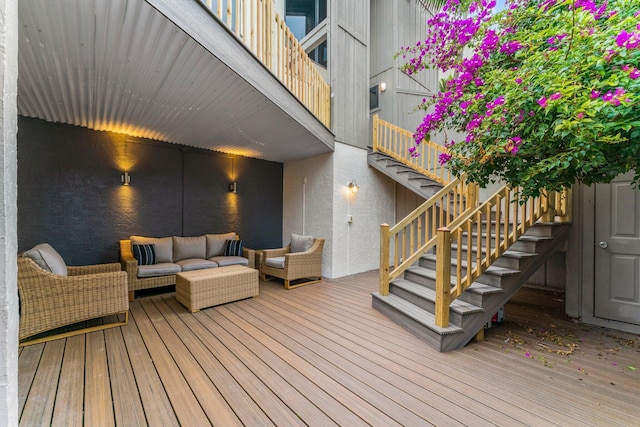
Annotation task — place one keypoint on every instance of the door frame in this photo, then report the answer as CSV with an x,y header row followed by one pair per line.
x,y
580,289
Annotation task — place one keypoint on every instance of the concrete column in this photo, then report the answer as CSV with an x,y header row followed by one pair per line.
x,y
8,213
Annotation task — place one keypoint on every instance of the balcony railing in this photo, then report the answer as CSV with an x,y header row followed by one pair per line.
x,y
262,30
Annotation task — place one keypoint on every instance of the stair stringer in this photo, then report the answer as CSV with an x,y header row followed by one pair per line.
x,y
509,286
403,174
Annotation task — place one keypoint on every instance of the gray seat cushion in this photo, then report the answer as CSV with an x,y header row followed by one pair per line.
x,y
300,243
161,269
223,261
47,258
163,246
196,264
189,247
276,262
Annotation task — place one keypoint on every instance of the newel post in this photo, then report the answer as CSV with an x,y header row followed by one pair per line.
x,y
567,206
550,214
443,276
384,259
375,132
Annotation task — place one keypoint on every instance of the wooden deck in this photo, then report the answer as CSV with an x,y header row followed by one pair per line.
x,y
320,355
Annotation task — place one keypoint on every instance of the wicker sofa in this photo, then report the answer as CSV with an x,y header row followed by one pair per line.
x,y
53,295
175,254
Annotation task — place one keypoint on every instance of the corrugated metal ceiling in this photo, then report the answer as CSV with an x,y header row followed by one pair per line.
x,y
123,66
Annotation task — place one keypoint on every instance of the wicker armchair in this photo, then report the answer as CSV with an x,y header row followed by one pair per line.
x,y
49,301
297,265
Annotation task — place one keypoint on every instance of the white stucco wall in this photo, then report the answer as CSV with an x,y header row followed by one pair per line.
x,y
320,207
357,244
8,213
308,202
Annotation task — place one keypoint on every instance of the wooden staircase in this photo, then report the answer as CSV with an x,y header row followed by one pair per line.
x,y
448,266
411,300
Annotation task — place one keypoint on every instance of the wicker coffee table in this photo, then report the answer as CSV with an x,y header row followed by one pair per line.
x,y
199,289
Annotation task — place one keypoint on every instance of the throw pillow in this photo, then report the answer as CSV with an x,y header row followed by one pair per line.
x,y
300,243
145,254
233,248
47,258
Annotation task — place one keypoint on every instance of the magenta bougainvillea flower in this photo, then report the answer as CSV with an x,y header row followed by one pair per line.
x,y
561,75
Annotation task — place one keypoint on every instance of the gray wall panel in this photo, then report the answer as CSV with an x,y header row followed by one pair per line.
x,y
69,192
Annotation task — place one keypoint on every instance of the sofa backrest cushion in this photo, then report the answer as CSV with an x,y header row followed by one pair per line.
x,y
216,243
189,247
300,243
163,246
47,258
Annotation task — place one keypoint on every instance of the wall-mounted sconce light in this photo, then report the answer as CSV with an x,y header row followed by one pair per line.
x,y
233,187
353,186
383,86
125,178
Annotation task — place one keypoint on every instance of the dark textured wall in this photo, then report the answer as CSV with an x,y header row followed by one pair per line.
x,y
69,192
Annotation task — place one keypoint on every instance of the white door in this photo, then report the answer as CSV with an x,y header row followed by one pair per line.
x,y
617,251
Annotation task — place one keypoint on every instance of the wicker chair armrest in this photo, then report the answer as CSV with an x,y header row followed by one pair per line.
x,y
314,252
127,261
250,254
93,269
274,253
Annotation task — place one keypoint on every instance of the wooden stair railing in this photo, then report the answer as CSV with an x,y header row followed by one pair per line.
x,y
491,229
395,142
265,34
404,243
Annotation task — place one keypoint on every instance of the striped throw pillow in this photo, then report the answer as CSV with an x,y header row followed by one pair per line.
x,y
145,254
233,248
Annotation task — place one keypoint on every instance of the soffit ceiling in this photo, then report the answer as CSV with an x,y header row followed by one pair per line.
x,y
124,66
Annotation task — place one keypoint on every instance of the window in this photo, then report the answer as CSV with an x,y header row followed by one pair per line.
x,y
302,16
374,98
319,54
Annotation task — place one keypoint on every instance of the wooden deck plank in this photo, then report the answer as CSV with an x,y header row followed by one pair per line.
x,y
242,388
439,361
353,399
204,390
184,403
97,389
443,404
28,362
320,355
399,405
335,407
372,343
69,406
289,388
38,408
155,401
127,406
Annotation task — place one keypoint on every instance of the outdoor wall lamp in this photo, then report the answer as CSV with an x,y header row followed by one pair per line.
x,y
233,187
125,178
383,86
353,186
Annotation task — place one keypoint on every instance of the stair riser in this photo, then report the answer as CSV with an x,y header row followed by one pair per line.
x,y
486,278
421,280
454,318
540,230
431,337
524,246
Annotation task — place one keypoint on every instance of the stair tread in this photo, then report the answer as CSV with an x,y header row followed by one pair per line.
x,y
417,314
497,271
481,288
429,294
508,254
